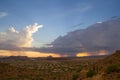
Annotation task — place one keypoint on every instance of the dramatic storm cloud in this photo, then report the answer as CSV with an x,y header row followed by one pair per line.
x,y
98,39
101,37
15,39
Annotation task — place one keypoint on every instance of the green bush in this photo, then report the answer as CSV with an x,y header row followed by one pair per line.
x,y
75,76
111,68
91,73
118,76
79,69
40,79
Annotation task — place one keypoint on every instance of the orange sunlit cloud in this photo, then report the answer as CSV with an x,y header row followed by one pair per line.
x,y
27,53
102,52
4,53
39,54
82,54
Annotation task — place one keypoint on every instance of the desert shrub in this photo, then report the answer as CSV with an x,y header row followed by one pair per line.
x,y
91,73
36,79
79,69
75,76
39,79
118,76
111,68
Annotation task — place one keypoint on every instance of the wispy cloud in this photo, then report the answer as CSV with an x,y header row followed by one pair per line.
x,y
79,9
86,8
3,14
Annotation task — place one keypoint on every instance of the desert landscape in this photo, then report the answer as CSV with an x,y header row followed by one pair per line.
x,y
81,68
59,39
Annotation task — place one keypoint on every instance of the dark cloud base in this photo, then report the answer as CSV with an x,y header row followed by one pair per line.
x,y
104,36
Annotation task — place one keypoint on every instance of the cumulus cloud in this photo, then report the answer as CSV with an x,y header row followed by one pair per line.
x,y
3,14
96,39
16,39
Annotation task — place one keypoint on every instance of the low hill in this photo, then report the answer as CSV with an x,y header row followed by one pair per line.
x,y
107,68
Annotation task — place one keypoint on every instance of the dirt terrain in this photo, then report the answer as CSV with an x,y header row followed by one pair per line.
x,y
90,68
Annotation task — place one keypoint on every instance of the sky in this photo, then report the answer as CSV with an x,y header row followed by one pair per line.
x,y
40,22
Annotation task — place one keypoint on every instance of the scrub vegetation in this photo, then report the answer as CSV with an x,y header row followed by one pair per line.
x,y
24,68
